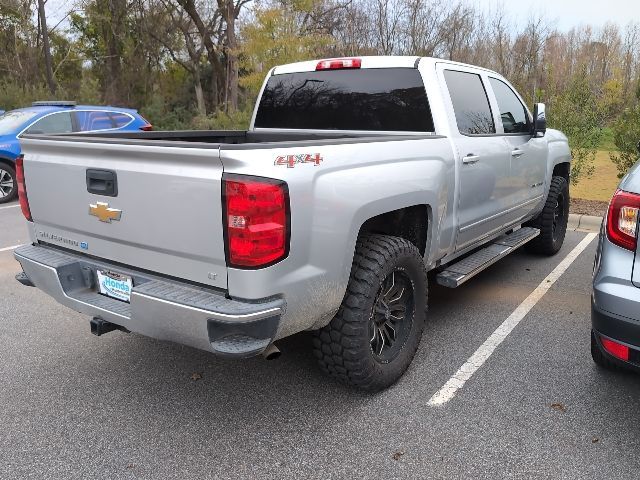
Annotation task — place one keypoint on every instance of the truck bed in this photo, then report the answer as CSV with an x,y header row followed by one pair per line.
x,y
233,139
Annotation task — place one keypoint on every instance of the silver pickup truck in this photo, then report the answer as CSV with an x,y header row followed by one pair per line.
x,y
356,177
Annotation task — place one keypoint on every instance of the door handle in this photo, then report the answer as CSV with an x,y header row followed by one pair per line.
x,y
470,159
102,182
517,153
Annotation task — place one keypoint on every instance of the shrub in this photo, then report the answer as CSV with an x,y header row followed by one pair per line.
x,y
576,112
626,135
223,121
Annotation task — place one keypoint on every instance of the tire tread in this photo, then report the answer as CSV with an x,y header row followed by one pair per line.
x,y
338,346
543,243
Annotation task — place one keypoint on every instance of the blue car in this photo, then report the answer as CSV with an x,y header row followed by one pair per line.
x,y
52,118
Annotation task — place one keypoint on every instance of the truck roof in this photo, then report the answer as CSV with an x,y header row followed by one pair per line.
x,y
380,61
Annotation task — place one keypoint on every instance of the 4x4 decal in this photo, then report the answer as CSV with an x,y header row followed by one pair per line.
x,y
291,160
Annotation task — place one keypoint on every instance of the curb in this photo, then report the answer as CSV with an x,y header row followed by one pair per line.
x,y
583,223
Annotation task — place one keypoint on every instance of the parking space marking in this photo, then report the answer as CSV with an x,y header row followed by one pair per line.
x,y
9,206
475,361
6,249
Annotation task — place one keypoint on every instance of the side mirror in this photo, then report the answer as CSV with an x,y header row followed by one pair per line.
x,y
539,120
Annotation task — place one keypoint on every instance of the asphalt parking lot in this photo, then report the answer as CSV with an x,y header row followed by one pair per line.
x,y
73,405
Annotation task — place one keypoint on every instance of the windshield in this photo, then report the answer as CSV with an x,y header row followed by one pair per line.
x,y
11,122
388,99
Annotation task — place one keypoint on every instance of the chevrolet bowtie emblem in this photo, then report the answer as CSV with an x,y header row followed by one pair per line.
x,y
104,213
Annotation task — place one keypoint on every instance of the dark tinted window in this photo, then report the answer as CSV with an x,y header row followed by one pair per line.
x,y
120,119
513,114
470,102
54,123
93,120
390,99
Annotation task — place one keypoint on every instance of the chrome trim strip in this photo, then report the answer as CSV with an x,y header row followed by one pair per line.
x,y
496,215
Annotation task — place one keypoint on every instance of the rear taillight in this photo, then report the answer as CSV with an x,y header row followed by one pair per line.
x,y
622,219
339,64
616,349
256,221
146,128
22,188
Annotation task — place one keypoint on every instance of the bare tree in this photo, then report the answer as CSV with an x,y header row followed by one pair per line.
x,y
423,32
209,27
230,11
388,15
46,48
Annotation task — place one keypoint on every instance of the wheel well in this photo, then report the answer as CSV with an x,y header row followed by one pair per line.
x,y
7,162
410,223
562,170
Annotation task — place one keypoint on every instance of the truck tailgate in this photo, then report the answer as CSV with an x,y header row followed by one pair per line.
x,y
169,198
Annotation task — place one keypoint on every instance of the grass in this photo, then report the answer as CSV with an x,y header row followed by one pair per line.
x,y
606,143
602,183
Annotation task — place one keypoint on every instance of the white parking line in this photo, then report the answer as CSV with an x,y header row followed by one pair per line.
x,y
6,249
475,361
10,206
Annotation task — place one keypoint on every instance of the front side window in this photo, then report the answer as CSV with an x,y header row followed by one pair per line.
x,y
515,118
470,103
55,123
383,99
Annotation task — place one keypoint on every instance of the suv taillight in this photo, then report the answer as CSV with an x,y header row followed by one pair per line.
x,y
256,220
22,188
622,219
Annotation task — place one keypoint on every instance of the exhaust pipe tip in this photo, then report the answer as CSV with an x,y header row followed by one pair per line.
x,y
271,352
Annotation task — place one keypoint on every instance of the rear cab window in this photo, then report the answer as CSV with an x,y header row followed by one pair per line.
x,y
470,103
383,99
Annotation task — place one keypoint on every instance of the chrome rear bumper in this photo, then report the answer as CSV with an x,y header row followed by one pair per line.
x,y
160,308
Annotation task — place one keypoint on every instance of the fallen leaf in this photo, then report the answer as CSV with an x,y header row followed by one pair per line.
x,y
130,466
195,376
559,407
397,455
595,440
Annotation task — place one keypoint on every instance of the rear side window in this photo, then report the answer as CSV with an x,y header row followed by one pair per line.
x,y
120,119
54,123
470,103
515,118
391,99
93,120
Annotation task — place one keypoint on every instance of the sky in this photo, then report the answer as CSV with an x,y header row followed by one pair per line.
x,y
569,13
564,14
